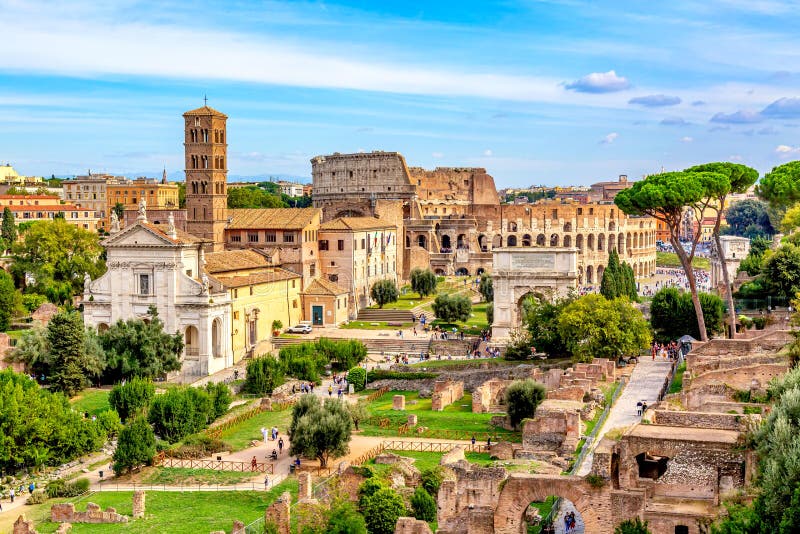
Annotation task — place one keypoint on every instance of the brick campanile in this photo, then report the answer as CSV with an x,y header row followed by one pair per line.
x,y
206,150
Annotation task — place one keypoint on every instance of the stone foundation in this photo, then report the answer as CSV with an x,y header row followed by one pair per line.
x,y
409,525
445,393
65,513
23,526
138,504
398,402
305,489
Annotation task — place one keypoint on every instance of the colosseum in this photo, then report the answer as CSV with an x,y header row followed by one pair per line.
x,y
452,218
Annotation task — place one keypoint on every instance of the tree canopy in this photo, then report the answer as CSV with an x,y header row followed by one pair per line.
x,y
10,300
423,281
320,430
522,398
749,218
8,231
486,288
671,314
384,292
781,186
253,197
56,255
781,270
593,326
452,307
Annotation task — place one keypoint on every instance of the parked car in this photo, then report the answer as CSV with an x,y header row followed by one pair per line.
x,y
299,329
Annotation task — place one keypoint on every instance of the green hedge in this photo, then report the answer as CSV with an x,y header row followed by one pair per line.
x,y
378,374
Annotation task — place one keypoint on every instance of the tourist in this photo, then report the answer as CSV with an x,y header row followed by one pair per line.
x,y
473,439
266,482
12,494
274,455
639,408
31,487
330,390
280,445
253,463
566,523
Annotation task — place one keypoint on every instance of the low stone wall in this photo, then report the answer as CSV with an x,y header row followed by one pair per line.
x,y
739,378
409,525
556,427
707,364
486,398
720,421
728,407
65,513
279,513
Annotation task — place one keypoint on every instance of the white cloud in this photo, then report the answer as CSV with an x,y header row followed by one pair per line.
x,y
687,139
786,150
437,155
610,138
487,153
655,101
736,157
599,82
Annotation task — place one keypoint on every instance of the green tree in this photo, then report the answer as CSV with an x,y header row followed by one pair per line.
x,y
358,377
781,270
358,412
453,307
343,518
423,505
486,288
10,300
382,510
593,326
781,186
490,313
521,398
182,195
540,317
431,479
264,374
254,197
139,348
613,283
630,283
221,399
180,412
119,211
384,292
57,255
632,526
136,446
749,218
320,430
8,231
423,282
738,179
132,398
72,369
664,197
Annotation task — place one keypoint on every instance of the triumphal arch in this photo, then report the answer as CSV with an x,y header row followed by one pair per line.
x,y
518,272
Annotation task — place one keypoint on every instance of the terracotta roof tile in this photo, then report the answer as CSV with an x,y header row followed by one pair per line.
x,y
234,260
321,286
272,218
261,276
205,110
181,237
356,223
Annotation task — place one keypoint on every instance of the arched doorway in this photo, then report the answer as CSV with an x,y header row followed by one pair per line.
x,y
552,515
480,271
590,242
102,327
601,241
422,241
540,239
589,274
461,241
579,242
191,340
554,240
462,271
446,242
497,241
482,243
526,240
600,271
511,241
567,241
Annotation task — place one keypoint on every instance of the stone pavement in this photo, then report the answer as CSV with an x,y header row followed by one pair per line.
x,y
558,521
644,384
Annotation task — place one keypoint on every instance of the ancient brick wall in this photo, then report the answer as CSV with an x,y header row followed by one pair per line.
x,y
556,427
66,513
739,378
488,397
445,393
721,421
278,513
409,525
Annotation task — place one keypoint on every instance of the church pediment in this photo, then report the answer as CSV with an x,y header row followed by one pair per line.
x,y
138,235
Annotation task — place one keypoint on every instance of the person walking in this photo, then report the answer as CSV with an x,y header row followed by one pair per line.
x,y
280,445
266,482
639,408
330,390
12,494
253,463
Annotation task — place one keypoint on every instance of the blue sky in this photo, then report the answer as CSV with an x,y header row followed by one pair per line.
x,y
551,91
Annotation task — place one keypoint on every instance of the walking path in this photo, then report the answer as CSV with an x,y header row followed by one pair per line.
x,y
644,384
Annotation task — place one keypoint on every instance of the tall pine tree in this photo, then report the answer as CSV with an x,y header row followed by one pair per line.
x,y
8,231
612,285
67,337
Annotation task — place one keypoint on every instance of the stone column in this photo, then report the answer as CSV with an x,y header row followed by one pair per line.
x,y
138,504
278,513
399,402
304,491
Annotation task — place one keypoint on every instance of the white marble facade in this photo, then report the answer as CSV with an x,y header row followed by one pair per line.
x,y
148,265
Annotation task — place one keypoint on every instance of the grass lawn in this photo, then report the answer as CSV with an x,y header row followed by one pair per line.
x,y
471,326
91,400
677,382
176,476
372,325
456,417
240,436
544,510
428,460
179,512
411,300
670,259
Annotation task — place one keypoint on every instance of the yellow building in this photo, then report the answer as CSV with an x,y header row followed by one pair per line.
x,y
30,208
260,294
157,194
325,303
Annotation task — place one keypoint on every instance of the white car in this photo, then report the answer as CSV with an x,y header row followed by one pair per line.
x,y
299,329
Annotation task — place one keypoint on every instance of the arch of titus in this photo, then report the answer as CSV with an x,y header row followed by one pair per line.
x,y
517,272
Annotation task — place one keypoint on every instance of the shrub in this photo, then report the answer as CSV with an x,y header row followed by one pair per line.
x,y
37,497
595,481
358,377
423,505
382,510
196,446
367,489
136,446
451,308
632,526
132,398
384,292
110,422
380,374
264,374
180,412
522,397
62,488
221,398
431,480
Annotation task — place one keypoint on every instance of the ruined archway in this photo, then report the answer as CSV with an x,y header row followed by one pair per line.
x,y
526,240
519,490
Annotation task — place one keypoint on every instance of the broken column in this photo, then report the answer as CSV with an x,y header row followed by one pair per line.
x,y
399,402
304,491
138,504
278,513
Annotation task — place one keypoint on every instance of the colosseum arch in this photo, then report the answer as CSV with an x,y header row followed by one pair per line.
x,y
628,242
526,240
554,240
589,274
579,242
612,226
497,241
540,240
520,489
482,243
601,241
422,241
590,242
511,241
600,271
512,227
621,243
567,226
446,243
612,242
567,241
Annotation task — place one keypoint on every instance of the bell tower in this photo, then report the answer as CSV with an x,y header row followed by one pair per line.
x,y
206,150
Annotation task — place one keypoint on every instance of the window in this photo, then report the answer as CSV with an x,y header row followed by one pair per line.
x,y
333,277
340,245
312,270
252,237
144,284
189,273
236,316
236,239
271,237
333,264
363,244
235,293
323,245
288,238
591,211
251,290
555,214
294,303
293,284
580,211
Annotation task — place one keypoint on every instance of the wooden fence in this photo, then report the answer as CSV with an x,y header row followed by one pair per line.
x,y
430,446
216,431
377,394
214,465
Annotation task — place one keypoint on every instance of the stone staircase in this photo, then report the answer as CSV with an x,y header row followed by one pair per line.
x,y
378,315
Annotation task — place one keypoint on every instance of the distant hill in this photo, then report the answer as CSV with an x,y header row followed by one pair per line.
x,y
178,176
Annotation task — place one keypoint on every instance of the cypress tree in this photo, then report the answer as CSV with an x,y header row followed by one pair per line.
x,y
8,231
66,336
613,285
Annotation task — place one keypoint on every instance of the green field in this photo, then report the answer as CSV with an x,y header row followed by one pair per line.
x,y
176,476
428,460
670,259
240,436
91,400
677,382
178,512
457,417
